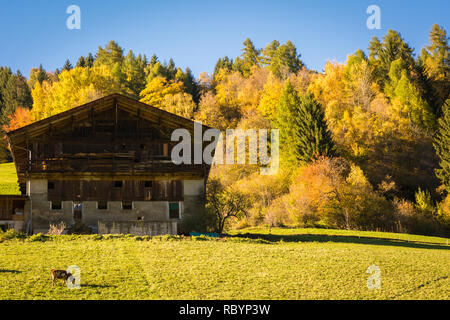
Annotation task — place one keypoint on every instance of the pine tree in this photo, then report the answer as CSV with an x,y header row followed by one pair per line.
x,y
67,65
111,55
250,57
15,94
134,69
5,75
434,69
90,60
171,70
223,63
269,52
37,75
382,54
442,146
153,60
190,83
283,59
81,62
313,137
285,123
304,134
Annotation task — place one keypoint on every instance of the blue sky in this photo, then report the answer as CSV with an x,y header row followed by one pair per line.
x,y
196,33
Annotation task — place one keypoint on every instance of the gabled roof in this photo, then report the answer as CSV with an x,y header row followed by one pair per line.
x,y
84,111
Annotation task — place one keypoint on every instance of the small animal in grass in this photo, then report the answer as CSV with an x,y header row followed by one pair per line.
x,y
61,274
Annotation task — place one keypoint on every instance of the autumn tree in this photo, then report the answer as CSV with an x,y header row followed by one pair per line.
x,y
20,118
270,97
336,193
156,90
225,203
75,87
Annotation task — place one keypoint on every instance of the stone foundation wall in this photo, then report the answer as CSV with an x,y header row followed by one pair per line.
x,y
146,211
140,228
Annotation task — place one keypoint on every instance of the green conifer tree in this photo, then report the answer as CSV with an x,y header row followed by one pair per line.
x,y
442,146
312,134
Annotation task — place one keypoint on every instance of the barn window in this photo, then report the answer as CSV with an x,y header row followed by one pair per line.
x,y
50,185
56,205
127,205
174,210
118,184
102,205
148,184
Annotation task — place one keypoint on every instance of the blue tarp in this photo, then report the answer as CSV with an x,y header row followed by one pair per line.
x,y
198,234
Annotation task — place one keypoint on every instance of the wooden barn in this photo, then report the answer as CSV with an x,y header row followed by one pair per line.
x,y
106,164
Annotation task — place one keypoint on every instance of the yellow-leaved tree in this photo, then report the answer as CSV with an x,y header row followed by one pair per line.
x,y
75,87
156,90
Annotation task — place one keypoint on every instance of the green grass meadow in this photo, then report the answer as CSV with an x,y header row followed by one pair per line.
x,y
288,264
254,263
8,179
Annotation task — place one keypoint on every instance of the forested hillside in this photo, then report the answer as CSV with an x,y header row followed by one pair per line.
x,y
363,145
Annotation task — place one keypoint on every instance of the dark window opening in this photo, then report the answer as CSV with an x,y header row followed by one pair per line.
x,y
148,184
50,185
77,211
118,184
56,205
174,210
127,205
102,205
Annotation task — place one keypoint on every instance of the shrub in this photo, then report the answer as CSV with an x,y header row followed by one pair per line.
x,y
420,217
10,234
38,237
334,193
444,214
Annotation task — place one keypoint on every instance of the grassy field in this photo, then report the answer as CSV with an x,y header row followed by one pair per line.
x,y
288,264
8,179
253,263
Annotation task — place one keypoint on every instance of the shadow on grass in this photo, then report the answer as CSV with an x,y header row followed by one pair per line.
x,y
342,239
99,286
10,271
420,286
